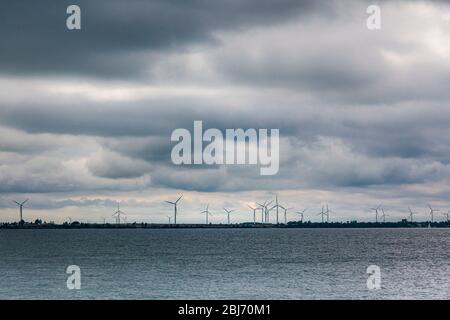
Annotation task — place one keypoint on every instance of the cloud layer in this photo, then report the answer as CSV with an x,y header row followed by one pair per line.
x,y
86,116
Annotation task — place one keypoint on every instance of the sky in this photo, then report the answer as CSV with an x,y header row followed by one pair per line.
x,y
86,115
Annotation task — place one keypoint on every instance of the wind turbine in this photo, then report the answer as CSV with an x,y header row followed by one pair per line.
x,y
432,211
170,219
207,213
254,213
411,214
228,213
323,213
328,213
285,213
118,213
301,213
376,212
277,205
447,215
383,216
264,210
104,220
20,204
175,208
267,211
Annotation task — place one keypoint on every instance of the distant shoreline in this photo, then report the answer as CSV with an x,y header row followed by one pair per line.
x,y
246,225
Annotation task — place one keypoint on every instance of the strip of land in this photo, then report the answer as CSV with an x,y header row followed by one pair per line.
x,y
289,225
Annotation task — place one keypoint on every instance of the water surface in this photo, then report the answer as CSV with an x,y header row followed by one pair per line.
x,y
225,263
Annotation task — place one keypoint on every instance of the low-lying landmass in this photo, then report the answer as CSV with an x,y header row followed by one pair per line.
x,y
38,224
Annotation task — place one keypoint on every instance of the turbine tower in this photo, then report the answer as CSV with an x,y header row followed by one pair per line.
x,y
328,213
384,215
228,213
411,214
175,208
447,215
301,213
285,213
376,212
261,206
118,213
323,213
207,213
277,206
170,219
254,213
267,211
264,211
20,204
432,211
104,220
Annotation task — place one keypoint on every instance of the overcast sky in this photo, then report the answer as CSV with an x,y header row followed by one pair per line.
x,y
86,116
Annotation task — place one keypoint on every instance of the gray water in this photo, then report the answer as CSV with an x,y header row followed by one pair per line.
x,y
225,263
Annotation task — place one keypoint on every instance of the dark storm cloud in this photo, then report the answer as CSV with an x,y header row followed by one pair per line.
x,y
151,149
114,35
142,129
155,117
115,166
357,110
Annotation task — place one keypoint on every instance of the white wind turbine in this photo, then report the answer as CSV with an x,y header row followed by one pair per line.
x,y
285,213
118,213
447,215
328,213
228,213
376,212
207,213
301,213
277,206
266,210
254,213
384,215
323,213
175,208
411,214
432,211
20,204
263,207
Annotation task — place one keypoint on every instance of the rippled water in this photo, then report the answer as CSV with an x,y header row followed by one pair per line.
x,y
225,263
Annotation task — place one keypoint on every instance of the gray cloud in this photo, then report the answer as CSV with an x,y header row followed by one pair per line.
x,y
117,38
91,112
107,164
